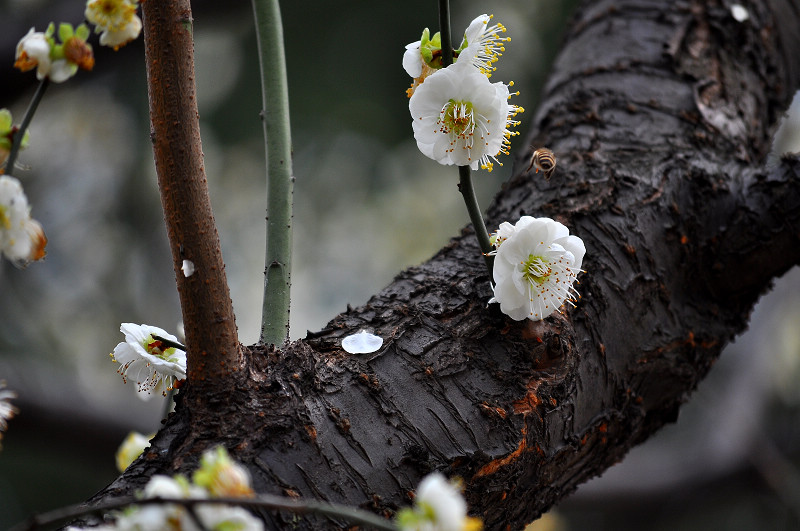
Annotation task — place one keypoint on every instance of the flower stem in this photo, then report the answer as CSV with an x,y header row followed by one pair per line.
x,y
475,216
168,343
263,501
464,172
277,134
26,121
444,31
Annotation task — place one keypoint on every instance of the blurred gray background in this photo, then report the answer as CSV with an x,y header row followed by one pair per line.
x,y
367,204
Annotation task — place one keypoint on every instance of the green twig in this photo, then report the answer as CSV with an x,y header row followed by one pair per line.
x,y
444,31
277,134
16,143
475,216
464,172
264,501
170,344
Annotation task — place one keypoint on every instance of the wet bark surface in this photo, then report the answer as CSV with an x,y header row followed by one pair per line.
x,y
660,113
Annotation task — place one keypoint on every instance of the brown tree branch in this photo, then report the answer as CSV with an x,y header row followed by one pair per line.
x,y
660,113
213,347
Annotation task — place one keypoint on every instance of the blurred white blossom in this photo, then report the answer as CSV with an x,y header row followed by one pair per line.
x,y
55,61
221,476
216,466
115,20
21,237
33,51
438,506
7,410
131,448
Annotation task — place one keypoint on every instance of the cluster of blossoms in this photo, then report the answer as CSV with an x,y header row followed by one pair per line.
x,y
22,239
147,359
459,116
56,55
115,20
536,263
55,61
438,506
218,477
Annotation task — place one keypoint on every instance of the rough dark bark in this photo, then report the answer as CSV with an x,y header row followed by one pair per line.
x,y
660,113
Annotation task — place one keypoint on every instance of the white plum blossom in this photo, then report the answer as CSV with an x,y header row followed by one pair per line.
x,y
221,476
535,267
501,234
162,516
362,343
460,117
175,516
56,61
115,20
153,365
438,506
131,448
21,238
226,517
412,59
33,51
481,47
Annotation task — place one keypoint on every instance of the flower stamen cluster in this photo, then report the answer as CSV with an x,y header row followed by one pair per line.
x,y
483,44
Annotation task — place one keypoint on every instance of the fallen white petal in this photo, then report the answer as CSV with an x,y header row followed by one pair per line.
x,y
187,268
362,343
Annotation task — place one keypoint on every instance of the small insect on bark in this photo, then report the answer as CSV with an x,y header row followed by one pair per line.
x,y
545,160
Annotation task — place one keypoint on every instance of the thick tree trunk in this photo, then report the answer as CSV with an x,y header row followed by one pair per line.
x,y
660,113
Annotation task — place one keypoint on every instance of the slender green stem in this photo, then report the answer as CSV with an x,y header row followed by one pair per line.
x,y
444,30
475,216
264,501
170,344
277,134
26,121
464,172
